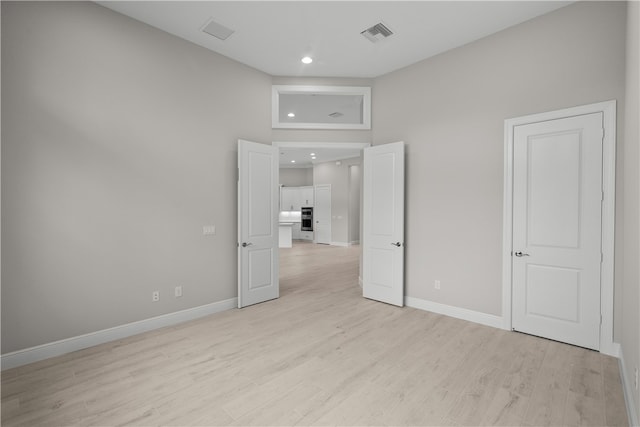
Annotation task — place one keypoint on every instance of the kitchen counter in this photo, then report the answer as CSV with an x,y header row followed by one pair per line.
x,y
285,235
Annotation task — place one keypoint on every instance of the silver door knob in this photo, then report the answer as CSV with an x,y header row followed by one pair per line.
x,y
398,244
520,254
245,244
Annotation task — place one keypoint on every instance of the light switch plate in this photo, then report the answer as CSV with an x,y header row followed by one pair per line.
x,y
208,230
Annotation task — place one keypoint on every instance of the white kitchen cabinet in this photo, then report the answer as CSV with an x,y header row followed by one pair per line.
x,y
295,231
294,198
289,199
285,235
306,196
298,234
306,235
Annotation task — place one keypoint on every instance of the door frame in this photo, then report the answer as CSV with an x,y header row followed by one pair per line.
x,y
608,108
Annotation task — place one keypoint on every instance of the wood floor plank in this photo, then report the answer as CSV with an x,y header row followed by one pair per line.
x,y
549,396
421,407
321,354
507,408
285,409
525,365
582,410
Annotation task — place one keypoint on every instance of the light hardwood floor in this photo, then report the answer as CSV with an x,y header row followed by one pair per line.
x,y
319,355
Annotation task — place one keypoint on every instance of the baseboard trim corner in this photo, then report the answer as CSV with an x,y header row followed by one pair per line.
x,y
627,389
457,312
343,244
68,345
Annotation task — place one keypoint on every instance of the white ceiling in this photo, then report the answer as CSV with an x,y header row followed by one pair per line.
x,y
273,36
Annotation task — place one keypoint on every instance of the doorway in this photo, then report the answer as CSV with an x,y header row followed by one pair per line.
x,y
558,225
342,223
382,214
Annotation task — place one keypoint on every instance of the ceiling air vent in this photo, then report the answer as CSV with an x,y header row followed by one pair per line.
x,y
217,30
336,114
377,32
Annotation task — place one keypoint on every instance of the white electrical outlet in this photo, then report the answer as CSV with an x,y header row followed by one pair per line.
x,y
178,291
436,284
155,296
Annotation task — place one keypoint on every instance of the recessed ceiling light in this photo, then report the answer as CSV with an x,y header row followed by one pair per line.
x,y
291,115
307,60
313,154
293,161
313,158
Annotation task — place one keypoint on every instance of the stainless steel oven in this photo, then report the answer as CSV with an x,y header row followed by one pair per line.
x,y
307,219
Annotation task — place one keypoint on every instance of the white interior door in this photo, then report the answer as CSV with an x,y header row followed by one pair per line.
x,y
257,223
322,214
383,223
557,211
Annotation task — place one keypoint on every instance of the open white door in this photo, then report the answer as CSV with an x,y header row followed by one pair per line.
x,y
383,223
257,223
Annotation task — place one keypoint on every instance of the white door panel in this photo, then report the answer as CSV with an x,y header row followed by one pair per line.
x,y
557,211
322,214
258,230
383,223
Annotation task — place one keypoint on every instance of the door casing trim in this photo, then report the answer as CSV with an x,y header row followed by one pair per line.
x,y
608,108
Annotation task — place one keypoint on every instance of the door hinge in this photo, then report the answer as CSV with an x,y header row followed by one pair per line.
x,y
601,319
602,134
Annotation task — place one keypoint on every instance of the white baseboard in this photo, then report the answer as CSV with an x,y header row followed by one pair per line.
x,y
57,348
612,349
344,244
627,388
354,242
457,312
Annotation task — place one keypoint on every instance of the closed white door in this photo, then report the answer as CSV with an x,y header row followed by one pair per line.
x,y
557,211
258,229
383,223
322,214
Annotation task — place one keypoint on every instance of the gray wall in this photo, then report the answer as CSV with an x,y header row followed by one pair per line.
x,y
450,110
630,336
296,177
338,177
118,145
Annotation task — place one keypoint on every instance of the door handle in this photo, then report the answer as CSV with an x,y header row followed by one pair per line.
x,y
245,244
520,254
398,244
